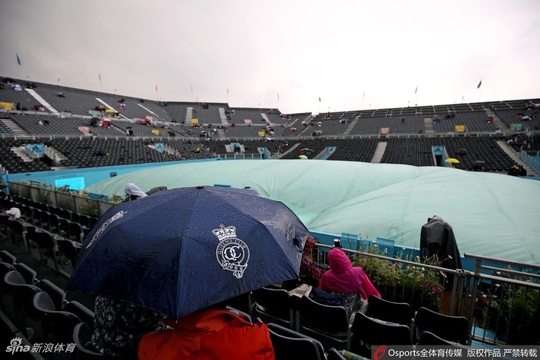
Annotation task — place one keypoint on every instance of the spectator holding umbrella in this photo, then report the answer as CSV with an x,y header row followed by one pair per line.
x,y
119,325
213,333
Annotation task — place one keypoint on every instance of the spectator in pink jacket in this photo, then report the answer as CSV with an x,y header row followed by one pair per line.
x,y
346,280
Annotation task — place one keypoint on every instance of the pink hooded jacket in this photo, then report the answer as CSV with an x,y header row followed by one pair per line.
x,y
344,278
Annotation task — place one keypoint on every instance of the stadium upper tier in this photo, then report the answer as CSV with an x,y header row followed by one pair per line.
x,y
81,128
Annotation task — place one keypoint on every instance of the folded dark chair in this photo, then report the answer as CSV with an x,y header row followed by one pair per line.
x,y
82,334
368,331
334,354
273,306
7,257
452,328
29,274
327,323
290,344
22,294
68,253
395,312
57,325
56,293
6,303
429,338
82,312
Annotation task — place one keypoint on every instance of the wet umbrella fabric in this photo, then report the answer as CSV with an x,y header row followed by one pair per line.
x,y
181,250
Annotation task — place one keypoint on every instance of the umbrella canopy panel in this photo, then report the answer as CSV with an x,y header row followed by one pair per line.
x,y
181,250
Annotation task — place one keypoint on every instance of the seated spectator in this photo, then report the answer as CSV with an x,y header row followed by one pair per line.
x,y
212,333
119,326
15,212
309,272
134,192
514,171
61,94
347,281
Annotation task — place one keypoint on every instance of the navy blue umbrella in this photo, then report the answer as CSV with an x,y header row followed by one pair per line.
x,y
181,250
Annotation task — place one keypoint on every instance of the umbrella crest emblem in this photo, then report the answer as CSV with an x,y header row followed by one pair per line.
x,y
105,225
231,252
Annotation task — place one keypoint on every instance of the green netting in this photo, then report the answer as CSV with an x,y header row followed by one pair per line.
x,y
491,214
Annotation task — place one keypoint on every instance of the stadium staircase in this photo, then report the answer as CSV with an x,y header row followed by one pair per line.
x,y
20,151
428,126
351,126
17,130
110,107
42,101
497,120
290,150
189,115
56,156
153,113
379,152
223,117
515,156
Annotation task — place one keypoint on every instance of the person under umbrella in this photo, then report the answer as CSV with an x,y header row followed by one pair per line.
x,y
183,250
309,272
213,333
168,247
119,325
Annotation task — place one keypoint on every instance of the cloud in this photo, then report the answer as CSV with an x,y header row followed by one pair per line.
x,y
301,49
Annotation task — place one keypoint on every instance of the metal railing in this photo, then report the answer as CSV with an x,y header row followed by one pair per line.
x,y
500,299
71,200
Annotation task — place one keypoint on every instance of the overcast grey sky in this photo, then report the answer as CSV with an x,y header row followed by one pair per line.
x,y
351,54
